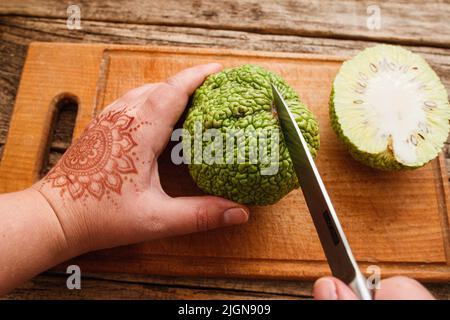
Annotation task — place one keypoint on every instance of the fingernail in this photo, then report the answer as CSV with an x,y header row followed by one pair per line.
x,y
235,216
325,289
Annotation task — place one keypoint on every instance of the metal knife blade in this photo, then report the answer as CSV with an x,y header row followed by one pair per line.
x,y
334,243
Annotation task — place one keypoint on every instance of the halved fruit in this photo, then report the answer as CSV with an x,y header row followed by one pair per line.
x,y
390,108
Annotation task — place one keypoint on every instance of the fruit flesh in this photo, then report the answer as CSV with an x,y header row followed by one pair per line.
x,y
390,108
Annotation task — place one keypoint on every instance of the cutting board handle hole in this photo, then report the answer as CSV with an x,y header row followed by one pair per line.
x,y
65,109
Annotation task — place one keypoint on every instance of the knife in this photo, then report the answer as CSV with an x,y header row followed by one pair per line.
x,y
334,243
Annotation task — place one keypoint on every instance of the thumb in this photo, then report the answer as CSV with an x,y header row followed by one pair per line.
x,y
167,101
195,214
402,288
329,288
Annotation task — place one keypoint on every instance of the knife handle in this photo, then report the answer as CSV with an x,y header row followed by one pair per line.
x,y
359,287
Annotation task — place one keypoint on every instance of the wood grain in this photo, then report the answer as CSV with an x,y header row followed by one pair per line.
x,y
52,285
34,111
390,205
407,22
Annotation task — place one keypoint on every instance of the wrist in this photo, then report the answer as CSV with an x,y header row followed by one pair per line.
x,y
32,238
67,243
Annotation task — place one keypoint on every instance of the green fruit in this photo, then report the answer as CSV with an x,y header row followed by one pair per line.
x,y
390,108
240,100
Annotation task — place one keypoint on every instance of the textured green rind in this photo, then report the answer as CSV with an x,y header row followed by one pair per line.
x,y
241,98
383,160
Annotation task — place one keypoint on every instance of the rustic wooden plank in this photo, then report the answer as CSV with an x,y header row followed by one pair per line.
x,y
122,286
406,21
12,58
52,285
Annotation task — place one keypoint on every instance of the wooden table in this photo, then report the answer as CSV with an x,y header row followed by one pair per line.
x,y
326,27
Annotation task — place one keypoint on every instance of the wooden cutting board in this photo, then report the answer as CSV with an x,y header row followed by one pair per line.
x,y
396,220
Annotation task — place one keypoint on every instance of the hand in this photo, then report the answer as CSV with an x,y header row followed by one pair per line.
x,y
106,191
395,288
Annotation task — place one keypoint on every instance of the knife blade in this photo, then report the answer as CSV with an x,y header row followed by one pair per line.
x,y
333,240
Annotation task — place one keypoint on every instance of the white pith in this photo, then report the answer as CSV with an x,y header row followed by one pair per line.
x,y
382,101
393,104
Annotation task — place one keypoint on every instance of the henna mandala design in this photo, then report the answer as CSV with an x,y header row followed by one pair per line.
x,y
98,160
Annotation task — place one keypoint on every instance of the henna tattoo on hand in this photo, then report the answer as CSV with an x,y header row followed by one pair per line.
x,y
99,160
